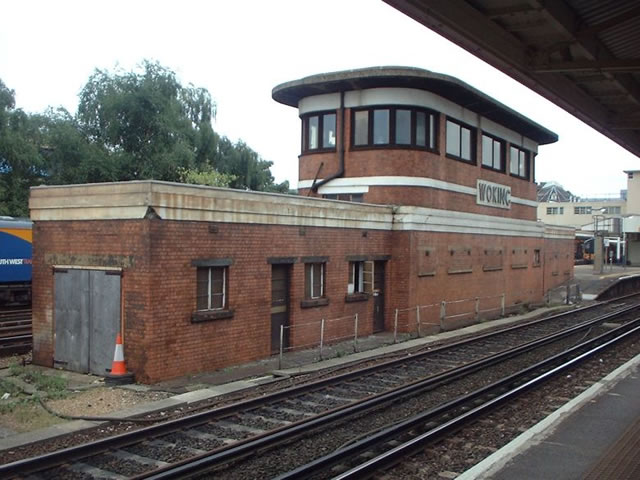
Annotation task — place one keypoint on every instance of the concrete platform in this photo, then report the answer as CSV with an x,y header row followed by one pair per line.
x,y
595,436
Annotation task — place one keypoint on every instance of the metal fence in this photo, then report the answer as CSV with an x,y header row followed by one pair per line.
x,y
325,338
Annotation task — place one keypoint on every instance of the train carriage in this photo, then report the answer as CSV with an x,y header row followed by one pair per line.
x,y
15,261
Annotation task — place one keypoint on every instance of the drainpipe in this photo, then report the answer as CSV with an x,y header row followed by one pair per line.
x,y
315,186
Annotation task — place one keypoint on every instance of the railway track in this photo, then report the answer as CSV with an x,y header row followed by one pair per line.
x,y
189,445
15,331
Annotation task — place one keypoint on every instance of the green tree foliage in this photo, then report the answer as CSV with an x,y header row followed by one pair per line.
x,y
129,125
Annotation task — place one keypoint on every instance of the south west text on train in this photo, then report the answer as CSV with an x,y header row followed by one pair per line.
x,y
15,261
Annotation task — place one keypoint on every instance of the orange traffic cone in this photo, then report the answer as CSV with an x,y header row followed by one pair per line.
x,y
118,366
118,374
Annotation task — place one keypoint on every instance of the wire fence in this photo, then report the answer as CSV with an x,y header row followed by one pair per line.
x,y
324,338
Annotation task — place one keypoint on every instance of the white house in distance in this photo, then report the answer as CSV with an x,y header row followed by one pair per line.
x,y
617,215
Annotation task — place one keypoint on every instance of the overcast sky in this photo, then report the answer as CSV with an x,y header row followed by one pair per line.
x,y
239,50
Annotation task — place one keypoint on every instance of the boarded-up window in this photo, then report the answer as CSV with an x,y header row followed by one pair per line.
x,y
492,259
427,261
519,258
460,260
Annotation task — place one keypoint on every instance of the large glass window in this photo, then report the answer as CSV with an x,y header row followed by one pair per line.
x,y
381,127
319,132
361,128
519,162
460,141
401,126
492,152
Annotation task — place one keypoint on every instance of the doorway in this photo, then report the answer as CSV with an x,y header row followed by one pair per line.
x,y
280,279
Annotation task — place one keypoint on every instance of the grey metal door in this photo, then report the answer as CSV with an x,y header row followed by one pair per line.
x,y
104,319
71,311
87,319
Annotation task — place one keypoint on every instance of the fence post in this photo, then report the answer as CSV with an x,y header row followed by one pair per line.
x,y
395,327
418,320
477,308
281,345
502,303
355,333
578,295
321,337
567,300
443,313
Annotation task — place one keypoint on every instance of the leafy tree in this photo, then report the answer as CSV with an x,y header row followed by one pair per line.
x,y
208,176
21,164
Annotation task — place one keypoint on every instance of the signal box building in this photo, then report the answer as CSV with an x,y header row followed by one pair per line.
x,y
414,188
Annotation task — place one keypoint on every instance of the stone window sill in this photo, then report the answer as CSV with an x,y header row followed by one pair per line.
x,y
314,302
210,315
356,297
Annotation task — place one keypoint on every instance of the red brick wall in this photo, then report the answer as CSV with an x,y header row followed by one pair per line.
x,y
159,283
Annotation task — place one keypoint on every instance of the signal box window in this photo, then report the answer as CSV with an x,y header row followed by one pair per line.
x,y
319,132
492,153
211,288
405,127
460,140
519,166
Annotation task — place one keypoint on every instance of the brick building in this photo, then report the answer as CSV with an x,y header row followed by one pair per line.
x,y
440,194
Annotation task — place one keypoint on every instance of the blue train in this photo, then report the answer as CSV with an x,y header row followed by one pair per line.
x,y
15,261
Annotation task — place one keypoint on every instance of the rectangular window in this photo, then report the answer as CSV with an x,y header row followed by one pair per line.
x,y
403,127
361,128
314,277
347,197
519,165
356,277
460,141
582,210
319,132
211,288
555,210
329,130
536,257
380,127
313,132
492,152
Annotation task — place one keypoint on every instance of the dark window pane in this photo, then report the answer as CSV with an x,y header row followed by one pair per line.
x,y
403,127
432,131
329,130
313,133
421,129
361,127
380,127
202,289
453,138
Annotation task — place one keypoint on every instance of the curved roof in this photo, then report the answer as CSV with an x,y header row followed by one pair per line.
x,y
290,93
583,55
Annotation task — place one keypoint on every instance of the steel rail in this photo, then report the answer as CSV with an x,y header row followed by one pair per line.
x,y
53,459
196,465
397,453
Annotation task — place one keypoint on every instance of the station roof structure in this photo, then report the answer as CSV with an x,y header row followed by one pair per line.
x,y
583,55
451,88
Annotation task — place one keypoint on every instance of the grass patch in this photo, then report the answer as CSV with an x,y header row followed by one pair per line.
x,y
53,386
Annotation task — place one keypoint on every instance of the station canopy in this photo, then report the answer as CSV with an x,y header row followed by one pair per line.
x,y
583,55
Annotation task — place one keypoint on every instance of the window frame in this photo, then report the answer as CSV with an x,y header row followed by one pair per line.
x,y
309,283
320,115
473,140
430,129
210,293
527,162
502,146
